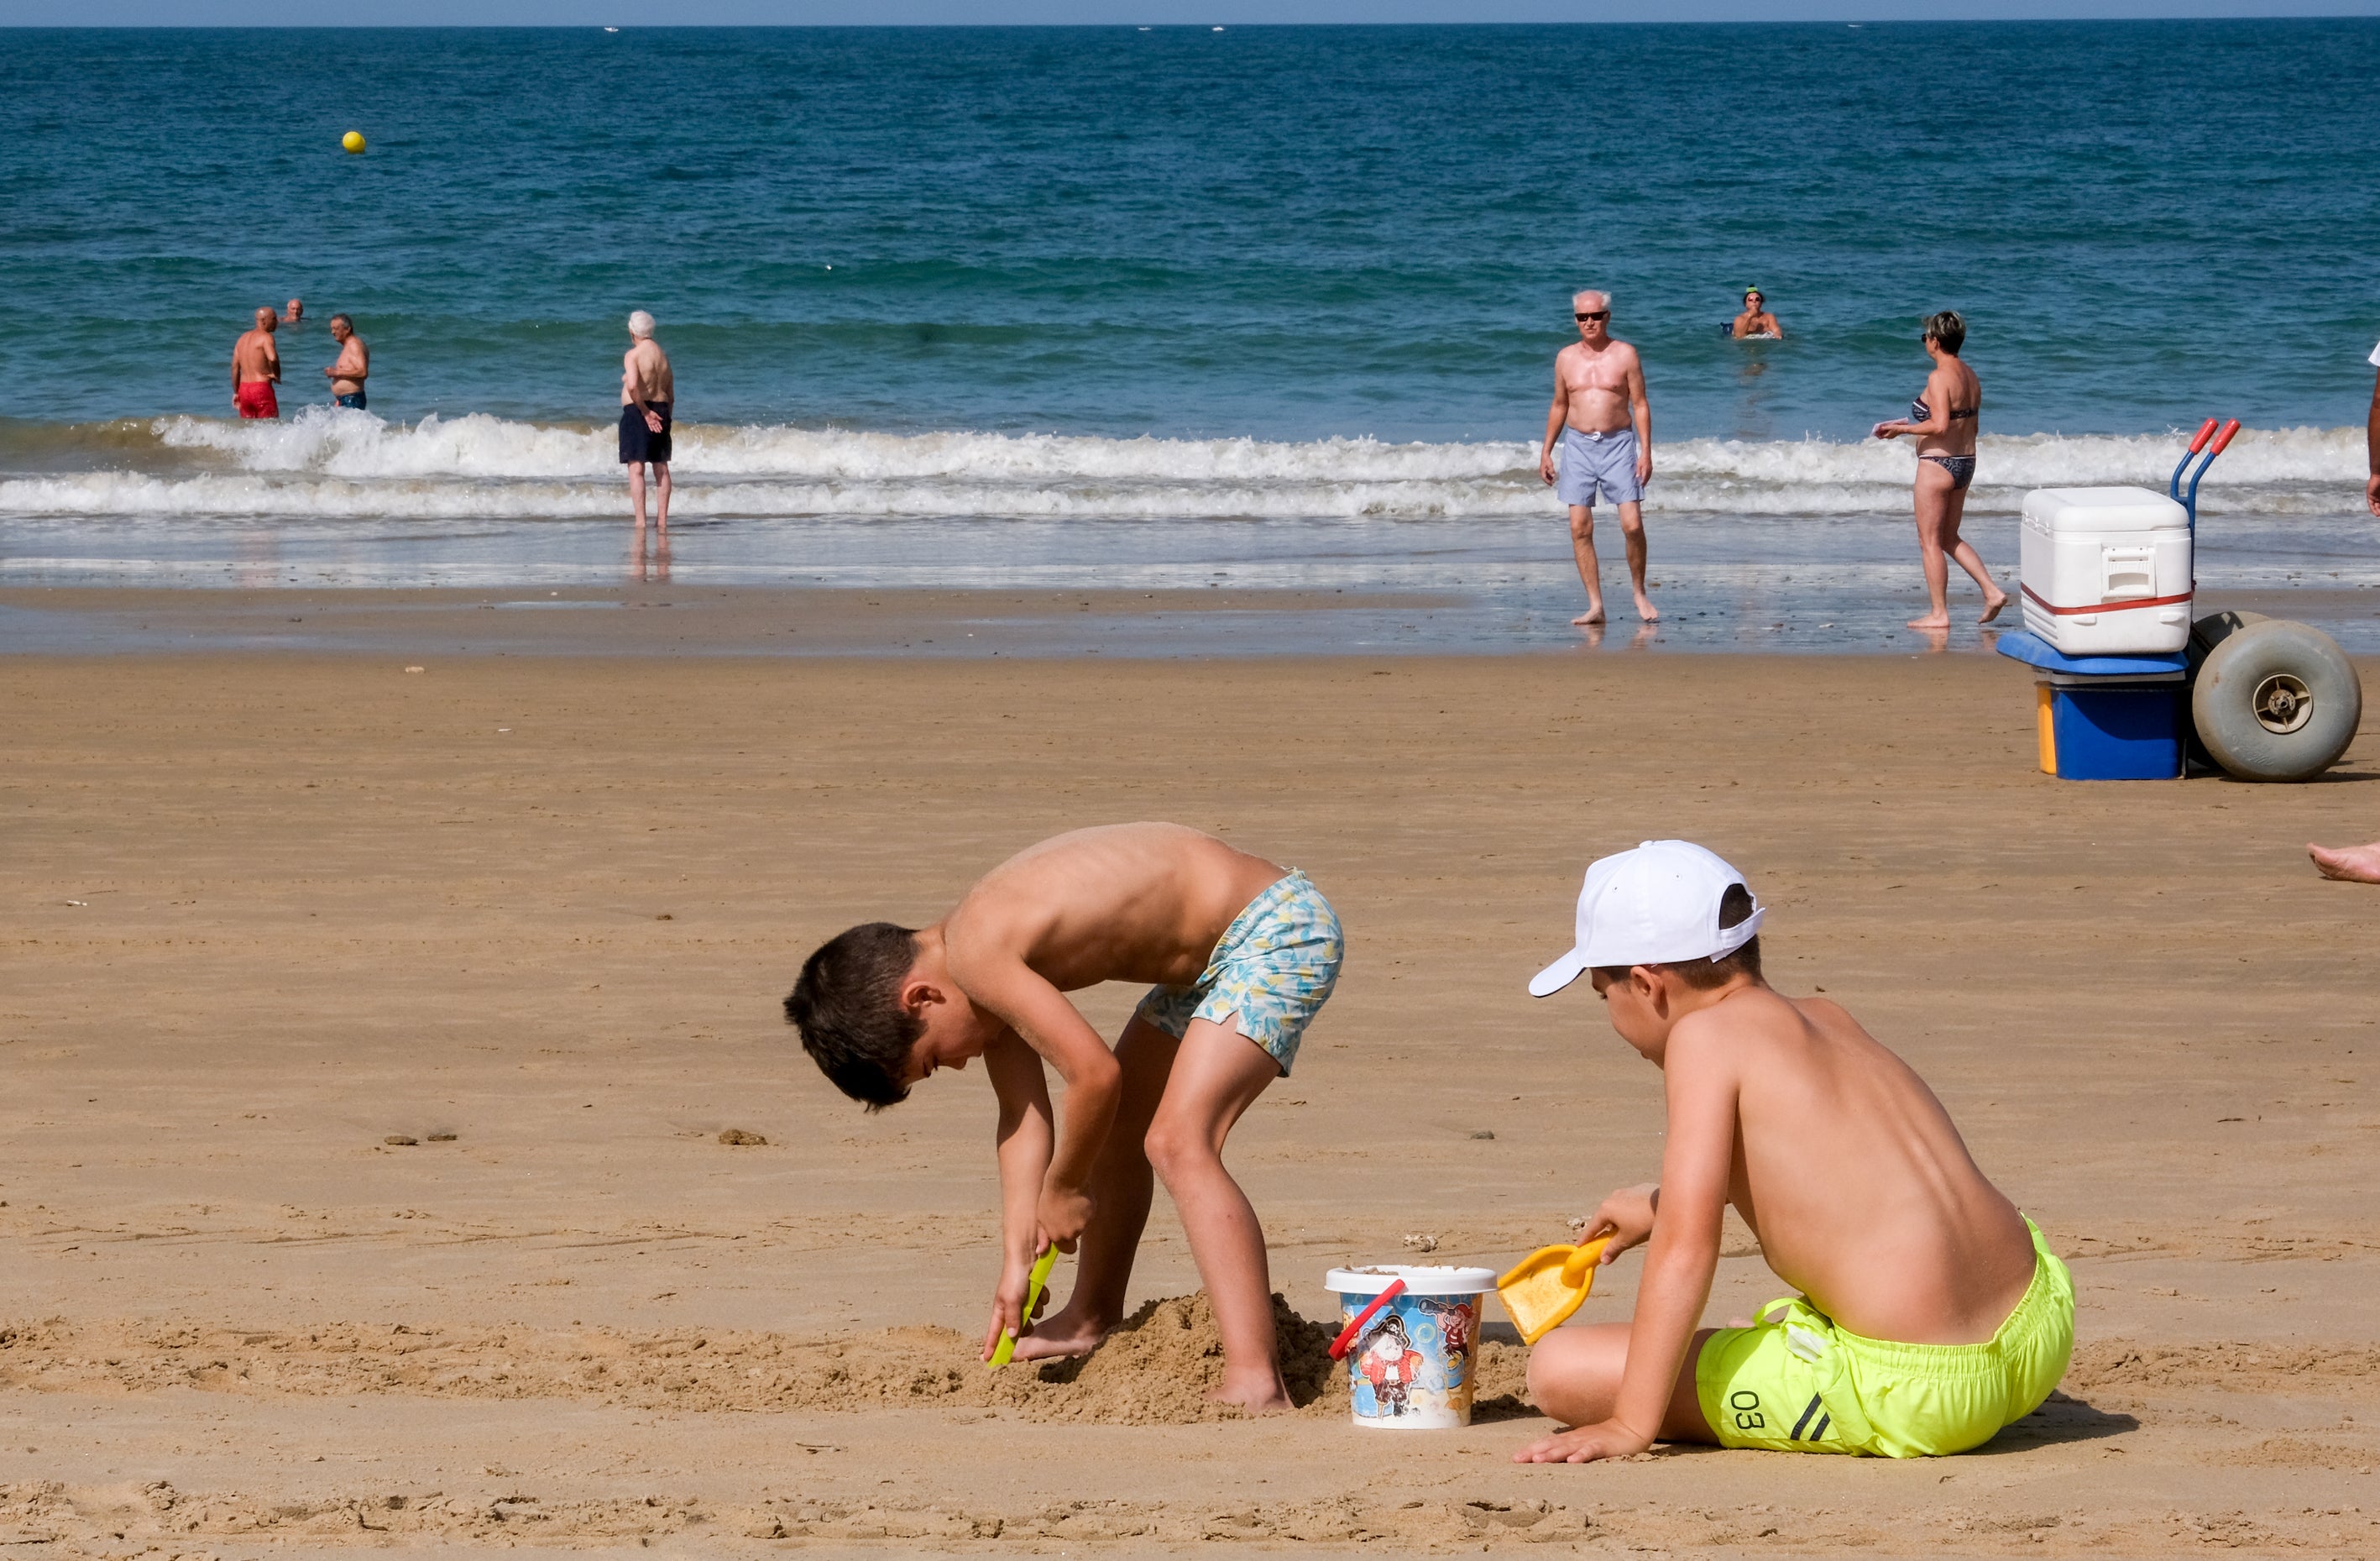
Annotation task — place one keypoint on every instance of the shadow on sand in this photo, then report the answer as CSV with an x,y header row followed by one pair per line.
x,y
2059,1420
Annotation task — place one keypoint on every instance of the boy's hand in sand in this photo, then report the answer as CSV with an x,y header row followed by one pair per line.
x,y
1626,1217
1586,1443
1008,1305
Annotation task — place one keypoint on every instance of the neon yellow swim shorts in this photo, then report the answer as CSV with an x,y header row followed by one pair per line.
x,y
1794,1383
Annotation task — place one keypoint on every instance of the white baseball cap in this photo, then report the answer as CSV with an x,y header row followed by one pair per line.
x,y
1657,905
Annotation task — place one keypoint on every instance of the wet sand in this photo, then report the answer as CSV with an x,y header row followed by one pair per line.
x,y
265,913
689,617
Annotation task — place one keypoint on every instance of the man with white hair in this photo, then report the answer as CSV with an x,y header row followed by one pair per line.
x,y
645,392
1604,426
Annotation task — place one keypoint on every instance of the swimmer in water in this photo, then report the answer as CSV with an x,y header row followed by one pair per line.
x,y
347,375
1944,421
1755,320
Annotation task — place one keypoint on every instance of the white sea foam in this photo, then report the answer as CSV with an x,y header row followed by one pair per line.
x,y
329,465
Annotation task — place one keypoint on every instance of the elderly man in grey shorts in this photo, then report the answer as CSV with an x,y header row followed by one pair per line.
x,y
1604,427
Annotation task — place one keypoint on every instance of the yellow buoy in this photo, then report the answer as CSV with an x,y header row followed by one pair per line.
x,y
353,141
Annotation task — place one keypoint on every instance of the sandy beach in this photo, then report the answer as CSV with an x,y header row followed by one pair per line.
x,y
366,1038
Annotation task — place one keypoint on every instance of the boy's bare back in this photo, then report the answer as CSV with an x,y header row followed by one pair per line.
x,y
1847,1167
1138,902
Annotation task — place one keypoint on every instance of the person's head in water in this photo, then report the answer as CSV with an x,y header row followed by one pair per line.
x,y
1947,331
1592,311
640,325
1754,301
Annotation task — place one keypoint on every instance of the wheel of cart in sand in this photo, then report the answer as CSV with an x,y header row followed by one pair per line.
x,y
2215,628
2275,701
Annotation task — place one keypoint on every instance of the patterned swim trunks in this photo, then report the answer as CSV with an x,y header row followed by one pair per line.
x,y
1270,971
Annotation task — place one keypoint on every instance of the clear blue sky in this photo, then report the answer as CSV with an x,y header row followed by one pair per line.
x,y
565,13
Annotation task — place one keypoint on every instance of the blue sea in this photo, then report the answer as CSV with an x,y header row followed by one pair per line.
x,y
1167,305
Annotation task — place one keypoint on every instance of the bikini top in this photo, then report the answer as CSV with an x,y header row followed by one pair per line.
x,y
1919,411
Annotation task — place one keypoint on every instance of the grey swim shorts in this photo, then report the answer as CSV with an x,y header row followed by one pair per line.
x,y
1598,463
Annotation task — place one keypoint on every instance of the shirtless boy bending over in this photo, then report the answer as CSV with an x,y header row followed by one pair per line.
x,y
1242,954
1931,1314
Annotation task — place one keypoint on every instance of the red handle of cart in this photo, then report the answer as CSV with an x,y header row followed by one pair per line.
x,y
1347,1334
2204,431
2223,438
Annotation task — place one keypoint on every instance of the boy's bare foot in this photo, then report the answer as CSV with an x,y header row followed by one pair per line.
x,y
1061,1338
1992,608
1942,621
1255,1396
2351,864
1593,614
1646,610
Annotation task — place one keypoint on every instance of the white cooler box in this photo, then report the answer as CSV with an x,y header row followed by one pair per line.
x,y
2107,571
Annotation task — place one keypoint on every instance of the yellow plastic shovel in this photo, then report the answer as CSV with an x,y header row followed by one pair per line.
x,y
1545,1287
1041,1267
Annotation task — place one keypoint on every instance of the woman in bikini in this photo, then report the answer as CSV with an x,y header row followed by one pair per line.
x,y
1943,421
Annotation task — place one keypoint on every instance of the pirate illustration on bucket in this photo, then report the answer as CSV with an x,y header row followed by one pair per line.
x,y
1390,1363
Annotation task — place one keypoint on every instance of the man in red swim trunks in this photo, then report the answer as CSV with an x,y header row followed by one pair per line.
x,y
256,369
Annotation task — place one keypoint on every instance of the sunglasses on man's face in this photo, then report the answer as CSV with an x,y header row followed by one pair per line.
x,y
1599,314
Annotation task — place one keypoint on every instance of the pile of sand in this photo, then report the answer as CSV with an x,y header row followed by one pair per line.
x,y
1156,1369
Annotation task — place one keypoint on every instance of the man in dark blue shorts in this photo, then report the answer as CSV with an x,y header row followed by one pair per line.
x,y
346,375
645,392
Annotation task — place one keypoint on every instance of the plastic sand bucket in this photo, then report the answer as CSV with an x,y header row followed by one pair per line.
x,y
1413,1364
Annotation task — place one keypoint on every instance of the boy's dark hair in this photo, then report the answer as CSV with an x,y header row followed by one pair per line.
x,y
1948,331
1705,974
847,1005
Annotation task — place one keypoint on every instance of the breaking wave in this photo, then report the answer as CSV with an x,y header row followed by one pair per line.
x,y
335,464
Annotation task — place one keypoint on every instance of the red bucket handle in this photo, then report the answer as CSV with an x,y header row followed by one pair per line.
x,y
1347,1334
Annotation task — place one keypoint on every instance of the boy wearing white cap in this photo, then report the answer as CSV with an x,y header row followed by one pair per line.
x,y
1931,1313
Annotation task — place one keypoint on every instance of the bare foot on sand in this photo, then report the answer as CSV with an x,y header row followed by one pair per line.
x,y
1646,610
1259,1395
1992,608
1942,622
1061,1338
1593,614
2350,864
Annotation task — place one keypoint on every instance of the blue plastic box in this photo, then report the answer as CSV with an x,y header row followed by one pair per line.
x,y
2114,731
2108,717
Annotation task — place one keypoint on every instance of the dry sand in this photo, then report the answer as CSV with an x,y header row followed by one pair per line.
x,y
266,918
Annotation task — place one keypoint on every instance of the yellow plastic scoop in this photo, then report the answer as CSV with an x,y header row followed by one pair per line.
x,y
1545,1287
1040,1276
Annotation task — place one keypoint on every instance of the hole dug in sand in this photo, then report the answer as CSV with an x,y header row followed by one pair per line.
x,y
1160,1366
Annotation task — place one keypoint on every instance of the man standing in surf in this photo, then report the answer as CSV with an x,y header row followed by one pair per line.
x,y
256,369
647,390
1604,426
